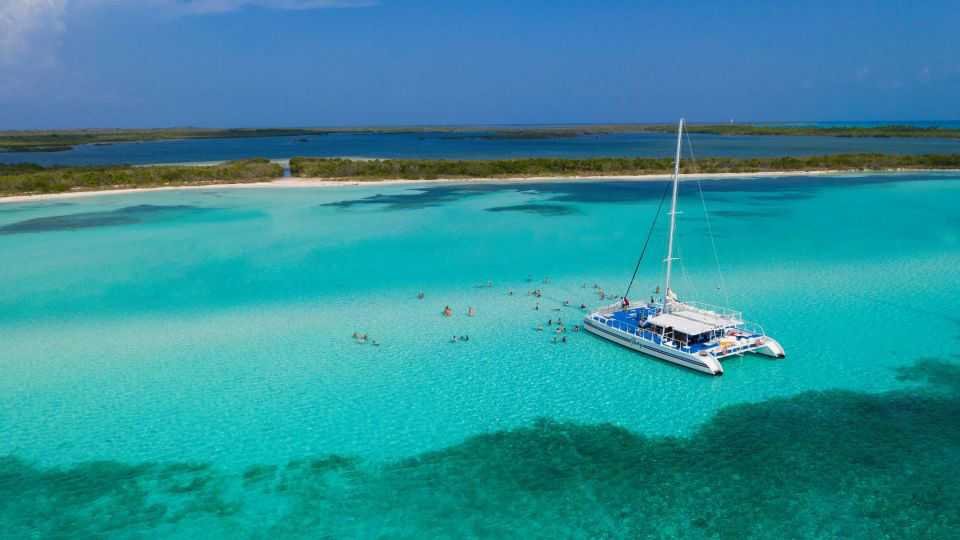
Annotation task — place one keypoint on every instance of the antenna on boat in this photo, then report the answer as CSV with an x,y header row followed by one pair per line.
x,y
673,215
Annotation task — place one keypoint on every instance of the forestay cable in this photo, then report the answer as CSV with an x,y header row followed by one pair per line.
x,y
663,198
706,216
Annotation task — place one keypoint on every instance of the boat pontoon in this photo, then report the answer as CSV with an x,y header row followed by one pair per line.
x,y
691,334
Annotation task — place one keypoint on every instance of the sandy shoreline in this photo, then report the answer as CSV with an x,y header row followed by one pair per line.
x,y
322,182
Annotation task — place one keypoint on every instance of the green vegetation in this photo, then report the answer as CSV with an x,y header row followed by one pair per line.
x,y
58,140
429,169
28,178
823,131
25,179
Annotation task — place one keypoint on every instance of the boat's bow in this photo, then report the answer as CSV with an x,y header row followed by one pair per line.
x,y
771,348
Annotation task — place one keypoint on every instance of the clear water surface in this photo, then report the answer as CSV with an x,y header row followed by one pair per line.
x,y
180,363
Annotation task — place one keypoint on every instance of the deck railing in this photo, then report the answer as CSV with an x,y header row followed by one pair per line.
x,y
644,334
710,309
726,313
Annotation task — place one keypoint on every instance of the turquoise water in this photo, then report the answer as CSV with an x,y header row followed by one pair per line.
x,y
180,363
454,146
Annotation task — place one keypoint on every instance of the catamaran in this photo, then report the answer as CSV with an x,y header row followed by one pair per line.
x,y
691,334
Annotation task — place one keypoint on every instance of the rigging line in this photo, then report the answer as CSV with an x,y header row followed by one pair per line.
x,y
706,216
663,197
683,270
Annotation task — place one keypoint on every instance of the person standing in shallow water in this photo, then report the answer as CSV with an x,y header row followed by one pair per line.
x,y
470,311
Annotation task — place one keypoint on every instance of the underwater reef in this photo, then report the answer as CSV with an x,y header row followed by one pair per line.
x,y
820,464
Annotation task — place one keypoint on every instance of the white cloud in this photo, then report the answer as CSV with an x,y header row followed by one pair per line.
x,y
29,31
201,7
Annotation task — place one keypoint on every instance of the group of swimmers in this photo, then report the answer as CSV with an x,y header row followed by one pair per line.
x,y
363,339
561,329
448,311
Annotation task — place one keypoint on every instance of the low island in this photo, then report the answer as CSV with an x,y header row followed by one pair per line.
x,y
62,140
431,169
30,179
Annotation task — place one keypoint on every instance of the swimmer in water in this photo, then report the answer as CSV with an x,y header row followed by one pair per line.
x,y
657,291
489,284
539,328
583,306
375,342
454,340
447,311
546,279
554,339
538,306
470,311
550,322
558,329
511,291
564,339
420,296
576,328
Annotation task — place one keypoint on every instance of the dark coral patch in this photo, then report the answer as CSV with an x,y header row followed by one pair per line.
x,y
85,220
544,209
819,464
766,189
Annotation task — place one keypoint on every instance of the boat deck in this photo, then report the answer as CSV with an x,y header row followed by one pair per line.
x,y
632,321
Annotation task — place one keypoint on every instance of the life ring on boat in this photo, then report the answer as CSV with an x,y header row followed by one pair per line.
x,y
731,332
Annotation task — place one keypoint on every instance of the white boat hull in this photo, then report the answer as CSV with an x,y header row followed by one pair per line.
x,y
706,364
771,348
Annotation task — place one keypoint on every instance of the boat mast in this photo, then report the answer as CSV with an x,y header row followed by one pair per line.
x,y
673,214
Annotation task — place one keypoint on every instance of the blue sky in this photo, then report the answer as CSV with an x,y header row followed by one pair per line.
x,y
221,63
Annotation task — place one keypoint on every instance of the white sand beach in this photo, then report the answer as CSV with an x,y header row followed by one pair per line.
x,y
327,182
